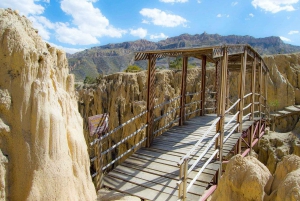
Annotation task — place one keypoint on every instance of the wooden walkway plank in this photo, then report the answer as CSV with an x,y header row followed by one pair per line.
x,y
152,173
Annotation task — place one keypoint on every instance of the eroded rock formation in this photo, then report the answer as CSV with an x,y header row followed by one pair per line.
x,y
273,147
244,179
41,137
284,82
248,179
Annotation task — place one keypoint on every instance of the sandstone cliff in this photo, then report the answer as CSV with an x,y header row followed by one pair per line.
x,y
44,153
248,179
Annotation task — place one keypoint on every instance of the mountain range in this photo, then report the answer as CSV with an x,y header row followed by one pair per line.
x,y
112,58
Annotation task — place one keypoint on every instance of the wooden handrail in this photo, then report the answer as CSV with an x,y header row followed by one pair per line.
x,y
232,130
117,128
129,150
200,140
191,94
249,94
166,114
236,102
167,102
177,119
193,112
187,104
245,108
201,170
204,152
124,139
232,118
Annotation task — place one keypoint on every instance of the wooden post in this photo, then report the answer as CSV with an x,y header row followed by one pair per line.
x,y
218,63
203,86
250,141
150,98
260,88
253,80
266,94
260,95
227,92
221,107
183,90
97,166
242,89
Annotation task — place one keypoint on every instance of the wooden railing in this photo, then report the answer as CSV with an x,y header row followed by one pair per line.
x,y
101,165
230,127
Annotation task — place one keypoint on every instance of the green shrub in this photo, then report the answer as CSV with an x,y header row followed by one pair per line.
x,y
133,69
89,80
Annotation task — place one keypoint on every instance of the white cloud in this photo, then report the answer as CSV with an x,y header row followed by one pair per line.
x,y
275,6
219,15
161,18
293,32
158,36
140,32
234,3
67,49
285,39
25,7
251,15
88,19
174,1
43,25
198,1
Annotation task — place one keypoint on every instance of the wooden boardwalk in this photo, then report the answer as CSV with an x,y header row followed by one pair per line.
x,y
152,173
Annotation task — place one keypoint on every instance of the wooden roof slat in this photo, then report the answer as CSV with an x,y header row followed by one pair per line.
x,y
212,53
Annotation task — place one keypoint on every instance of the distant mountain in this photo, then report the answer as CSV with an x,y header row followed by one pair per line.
x,y
113,58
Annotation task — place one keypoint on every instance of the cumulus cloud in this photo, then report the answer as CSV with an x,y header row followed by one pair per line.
x,y
140,32
161,18
285,39
251,15
293,32
219,15
174,1
275,6
158,36
74,36
89,20
25,7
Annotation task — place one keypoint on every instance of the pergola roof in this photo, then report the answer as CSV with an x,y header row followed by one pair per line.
x,y
212,53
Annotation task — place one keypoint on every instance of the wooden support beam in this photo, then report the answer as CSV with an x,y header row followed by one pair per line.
x,y
266,95
260,80
183,90
221,106
203,86
242,89
253,80
150,99
217,77
227,92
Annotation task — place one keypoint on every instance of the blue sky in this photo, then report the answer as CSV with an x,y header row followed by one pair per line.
x,y
75,25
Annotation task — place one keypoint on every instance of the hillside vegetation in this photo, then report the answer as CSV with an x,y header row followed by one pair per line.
x,y
117,57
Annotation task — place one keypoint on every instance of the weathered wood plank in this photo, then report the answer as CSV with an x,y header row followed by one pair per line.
x,y
150,180
137,190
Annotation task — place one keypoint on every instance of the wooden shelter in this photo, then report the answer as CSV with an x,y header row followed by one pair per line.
x,y
187,159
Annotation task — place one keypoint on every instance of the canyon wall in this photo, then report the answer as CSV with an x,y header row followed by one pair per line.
x,y
43,155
